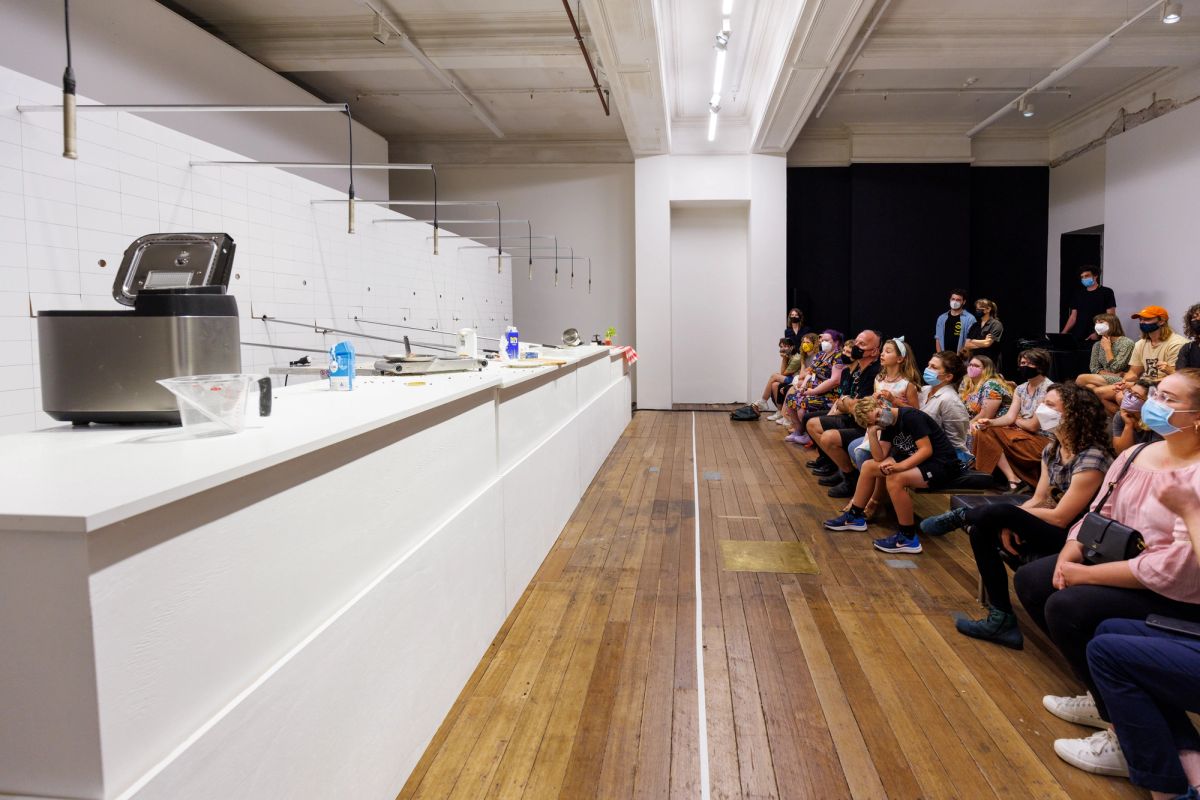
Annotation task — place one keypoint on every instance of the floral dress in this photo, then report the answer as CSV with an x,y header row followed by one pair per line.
x,y
991,389
822,370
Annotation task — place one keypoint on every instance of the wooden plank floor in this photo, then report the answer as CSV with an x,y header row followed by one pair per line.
x,y
851,683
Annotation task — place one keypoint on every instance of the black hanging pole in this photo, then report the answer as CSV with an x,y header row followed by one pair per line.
x,y
435,210
68,108
350,164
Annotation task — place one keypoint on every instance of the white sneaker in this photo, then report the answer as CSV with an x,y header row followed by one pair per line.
x,y
1080,709
783,421
774,416
1099,753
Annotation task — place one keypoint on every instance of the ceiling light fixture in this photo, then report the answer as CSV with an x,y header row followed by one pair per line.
x,y
1025,107
1172,13
712,126
1066,69
727,7
381,34
720,44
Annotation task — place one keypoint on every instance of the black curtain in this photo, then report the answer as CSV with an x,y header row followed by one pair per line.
x,y
882,245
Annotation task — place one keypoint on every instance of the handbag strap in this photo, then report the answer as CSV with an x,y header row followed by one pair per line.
x,y
1113,483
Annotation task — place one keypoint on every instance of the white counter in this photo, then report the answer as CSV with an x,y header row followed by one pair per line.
x,y
289,611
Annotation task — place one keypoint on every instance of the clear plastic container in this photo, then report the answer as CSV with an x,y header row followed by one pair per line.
x,y
215,405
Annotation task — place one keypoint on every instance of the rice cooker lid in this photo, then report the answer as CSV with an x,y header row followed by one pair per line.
x,y
160,261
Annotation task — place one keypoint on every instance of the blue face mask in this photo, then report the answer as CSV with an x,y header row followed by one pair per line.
x,y
930,377
1157,417
1149,327
1088,282
887,415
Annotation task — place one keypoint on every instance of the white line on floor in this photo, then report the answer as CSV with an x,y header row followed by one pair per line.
x,y
703,718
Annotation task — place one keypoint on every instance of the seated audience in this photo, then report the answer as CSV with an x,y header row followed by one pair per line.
x,y
1068,598
1153,357
1149,680
908,450
1073,462
1110,353
950,330
832,433
1089,301
984,392
1127,426
1013,442
816,393
1189,354
983,339
793,362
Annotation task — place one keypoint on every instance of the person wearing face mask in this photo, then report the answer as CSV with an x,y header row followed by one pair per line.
x,y
985,393
1014,441
1068,599
833,432
940,400
983,338
1090,300
816,393
1110,353
1072,464
908,451
1153,357
1127,426
1189,354
950,331
793,363
796,328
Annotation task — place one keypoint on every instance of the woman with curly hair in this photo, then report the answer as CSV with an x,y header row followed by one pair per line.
x,y
1073,465
1189,354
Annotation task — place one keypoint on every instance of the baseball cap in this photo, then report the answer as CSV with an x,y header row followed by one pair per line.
x,y
1150,312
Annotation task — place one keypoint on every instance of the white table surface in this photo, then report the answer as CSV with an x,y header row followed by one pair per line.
x,y
80,479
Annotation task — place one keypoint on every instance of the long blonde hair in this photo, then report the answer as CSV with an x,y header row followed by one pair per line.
x,y
969,384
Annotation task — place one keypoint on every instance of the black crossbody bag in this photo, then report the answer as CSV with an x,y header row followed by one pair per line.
x,y
1105,540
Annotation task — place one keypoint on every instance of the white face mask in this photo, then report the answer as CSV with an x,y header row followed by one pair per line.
x,y
826,346
1101,328
1047,417
956,304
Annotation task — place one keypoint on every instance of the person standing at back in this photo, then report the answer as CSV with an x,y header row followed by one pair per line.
x,y
983,337
950,332
796,328
1090,300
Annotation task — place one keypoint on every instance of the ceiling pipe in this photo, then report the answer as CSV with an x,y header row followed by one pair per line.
x,y
1065,70
837,81
587,57
437,72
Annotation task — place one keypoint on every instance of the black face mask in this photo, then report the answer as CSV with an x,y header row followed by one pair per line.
x,y
856,352
793,319
1194,327
1027,373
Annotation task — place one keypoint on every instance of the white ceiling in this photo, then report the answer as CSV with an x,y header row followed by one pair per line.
x,y
927,65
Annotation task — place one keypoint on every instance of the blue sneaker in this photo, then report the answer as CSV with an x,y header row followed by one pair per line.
x,y
899,543
848,521
942,524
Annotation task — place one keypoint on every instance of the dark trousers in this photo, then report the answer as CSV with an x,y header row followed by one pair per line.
x,y
1149,679
1070,616
844,424
986,522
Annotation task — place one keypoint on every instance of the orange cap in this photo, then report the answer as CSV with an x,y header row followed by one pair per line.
x,y
1150,312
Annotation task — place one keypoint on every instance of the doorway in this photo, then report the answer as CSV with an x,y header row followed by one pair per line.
x,y
709,258
1081,248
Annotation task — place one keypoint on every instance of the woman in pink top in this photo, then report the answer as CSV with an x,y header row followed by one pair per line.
x,y
1068,599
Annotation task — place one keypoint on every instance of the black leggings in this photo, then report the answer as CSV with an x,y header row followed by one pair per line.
x,y
1070,616
986,522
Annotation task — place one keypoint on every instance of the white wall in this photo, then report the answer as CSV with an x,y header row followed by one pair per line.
x,y
589,207
1076,201
663,181
60,218
708,337
1151,198
137,52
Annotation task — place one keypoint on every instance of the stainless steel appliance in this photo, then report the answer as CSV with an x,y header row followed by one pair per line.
x,y
418,364
101,366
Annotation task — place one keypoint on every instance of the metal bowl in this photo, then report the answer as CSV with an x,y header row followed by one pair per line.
x,y
571,338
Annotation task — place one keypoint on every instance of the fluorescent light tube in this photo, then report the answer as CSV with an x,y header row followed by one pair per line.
x,y
719,73
712,125
727,7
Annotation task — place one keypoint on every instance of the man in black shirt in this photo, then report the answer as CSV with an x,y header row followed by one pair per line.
x,y
1189,354
833,432
908,450
1089,300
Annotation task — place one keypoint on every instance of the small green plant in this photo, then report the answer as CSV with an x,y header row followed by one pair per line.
x,y
610,333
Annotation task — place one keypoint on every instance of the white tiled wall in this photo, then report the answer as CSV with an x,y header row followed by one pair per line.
x,y
59,219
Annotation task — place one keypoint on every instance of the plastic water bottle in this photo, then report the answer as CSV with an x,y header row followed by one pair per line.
x,y
512,342
341,366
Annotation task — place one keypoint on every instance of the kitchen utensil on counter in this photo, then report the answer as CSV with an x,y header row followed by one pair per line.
x,y
468,343
103,365
419,364
571,338
215,405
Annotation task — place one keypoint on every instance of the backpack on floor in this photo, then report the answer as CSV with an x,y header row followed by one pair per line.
x,y
744,414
